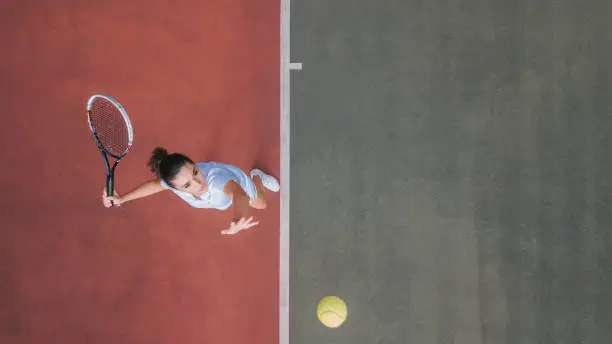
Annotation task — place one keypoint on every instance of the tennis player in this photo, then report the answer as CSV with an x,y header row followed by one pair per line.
x,y
204,185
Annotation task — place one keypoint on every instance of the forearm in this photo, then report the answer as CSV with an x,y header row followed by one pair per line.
x,y
240,200
240,206
143,190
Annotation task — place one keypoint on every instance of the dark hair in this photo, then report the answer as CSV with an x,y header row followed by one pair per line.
x,y
167,166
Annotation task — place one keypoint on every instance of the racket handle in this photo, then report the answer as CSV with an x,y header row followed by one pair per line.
x,y
110,188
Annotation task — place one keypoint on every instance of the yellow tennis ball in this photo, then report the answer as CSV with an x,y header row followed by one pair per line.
x,y
332,311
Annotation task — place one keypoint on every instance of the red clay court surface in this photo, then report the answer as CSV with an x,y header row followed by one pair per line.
x,y
199,77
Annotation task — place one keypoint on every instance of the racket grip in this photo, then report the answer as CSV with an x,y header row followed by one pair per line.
x,y
110,188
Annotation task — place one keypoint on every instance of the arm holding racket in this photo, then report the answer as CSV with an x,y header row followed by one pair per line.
x,y
143,190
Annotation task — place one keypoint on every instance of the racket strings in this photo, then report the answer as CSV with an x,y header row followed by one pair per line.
x,y
110,127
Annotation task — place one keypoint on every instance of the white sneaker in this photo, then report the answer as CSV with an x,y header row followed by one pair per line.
x,y
267,180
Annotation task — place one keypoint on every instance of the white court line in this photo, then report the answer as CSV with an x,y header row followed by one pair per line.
x,y
295,66
285,155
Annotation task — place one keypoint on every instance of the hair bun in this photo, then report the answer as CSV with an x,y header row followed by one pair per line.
x,y
159,154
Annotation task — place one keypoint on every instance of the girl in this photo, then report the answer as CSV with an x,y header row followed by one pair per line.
x,y
204,185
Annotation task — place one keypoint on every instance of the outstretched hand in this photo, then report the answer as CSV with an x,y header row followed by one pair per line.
x,y
110,201
242,224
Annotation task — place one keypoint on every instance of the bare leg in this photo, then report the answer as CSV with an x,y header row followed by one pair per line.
x,y
260,202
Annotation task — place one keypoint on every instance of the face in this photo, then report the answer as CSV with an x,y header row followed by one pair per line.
x,y
190,179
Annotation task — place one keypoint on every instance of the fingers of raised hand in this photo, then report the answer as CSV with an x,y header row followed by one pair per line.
x,y
247,223
240,225
250,223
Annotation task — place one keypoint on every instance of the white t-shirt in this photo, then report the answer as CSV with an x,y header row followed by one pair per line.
x,y
216,176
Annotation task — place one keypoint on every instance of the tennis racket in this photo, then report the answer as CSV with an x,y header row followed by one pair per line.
x,y
111,128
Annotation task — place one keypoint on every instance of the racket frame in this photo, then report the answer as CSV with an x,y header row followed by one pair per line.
x,y
110,170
